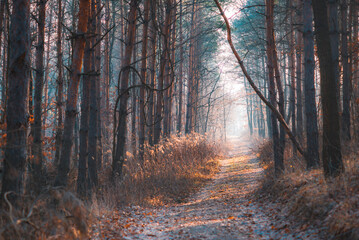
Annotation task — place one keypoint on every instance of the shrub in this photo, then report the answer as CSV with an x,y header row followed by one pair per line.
x,y
170,171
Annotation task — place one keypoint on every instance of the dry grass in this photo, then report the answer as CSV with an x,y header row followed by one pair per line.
x,y
169,172
54,214
310,198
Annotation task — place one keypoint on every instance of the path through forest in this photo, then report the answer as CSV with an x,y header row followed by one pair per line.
x,y
223,209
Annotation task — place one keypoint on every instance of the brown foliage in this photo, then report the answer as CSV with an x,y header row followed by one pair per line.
x,y
333,204
56,214
170,171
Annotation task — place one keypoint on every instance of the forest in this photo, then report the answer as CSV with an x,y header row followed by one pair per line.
x,y
179,119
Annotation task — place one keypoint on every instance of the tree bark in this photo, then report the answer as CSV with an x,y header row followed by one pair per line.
x,y
16,110
60,85
180,76
72,94
37,158
162,73
152,75
141,131
346,72
92,133
334,42
299,50
331,151
278,143
119,151
310,103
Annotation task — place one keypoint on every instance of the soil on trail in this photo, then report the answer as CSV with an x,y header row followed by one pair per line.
x,y
223,209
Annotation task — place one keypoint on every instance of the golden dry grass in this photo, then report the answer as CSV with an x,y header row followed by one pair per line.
x,y
169,172
312,199
54,214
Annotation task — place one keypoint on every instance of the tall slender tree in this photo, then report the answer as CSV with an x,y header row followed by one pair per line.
x,y
16,110
72,93
331,152
309,88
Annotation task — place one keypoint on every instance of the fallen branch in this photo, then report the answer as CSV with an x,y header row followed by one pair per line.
x,y
255,88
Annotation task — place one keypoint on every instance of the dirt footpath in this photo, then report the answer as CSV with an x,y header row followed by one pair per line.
x,y
223,209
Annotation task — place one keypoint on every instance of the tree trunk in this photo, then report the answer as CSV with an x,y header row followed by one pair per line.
x,y
334,42
119,151
191,77
141,131
72,94
299,51
16,110
331,152
37,158
152,75
278,142
292,73
310,104
346,73
180,77
164,61
84,128
99,87
60,85
92,133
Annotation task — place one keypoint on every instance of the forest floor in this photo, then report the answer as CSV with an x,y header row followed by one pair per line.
x,y
225,208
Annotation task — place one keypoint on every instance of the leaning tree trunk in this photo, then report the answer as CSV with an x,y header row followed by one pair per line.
x,y
16,110
331,152
254,87
72,94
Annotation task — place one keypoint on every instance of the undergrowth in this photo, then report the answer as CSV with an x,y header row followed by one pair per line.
x,y
310,198
168,172
54,214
